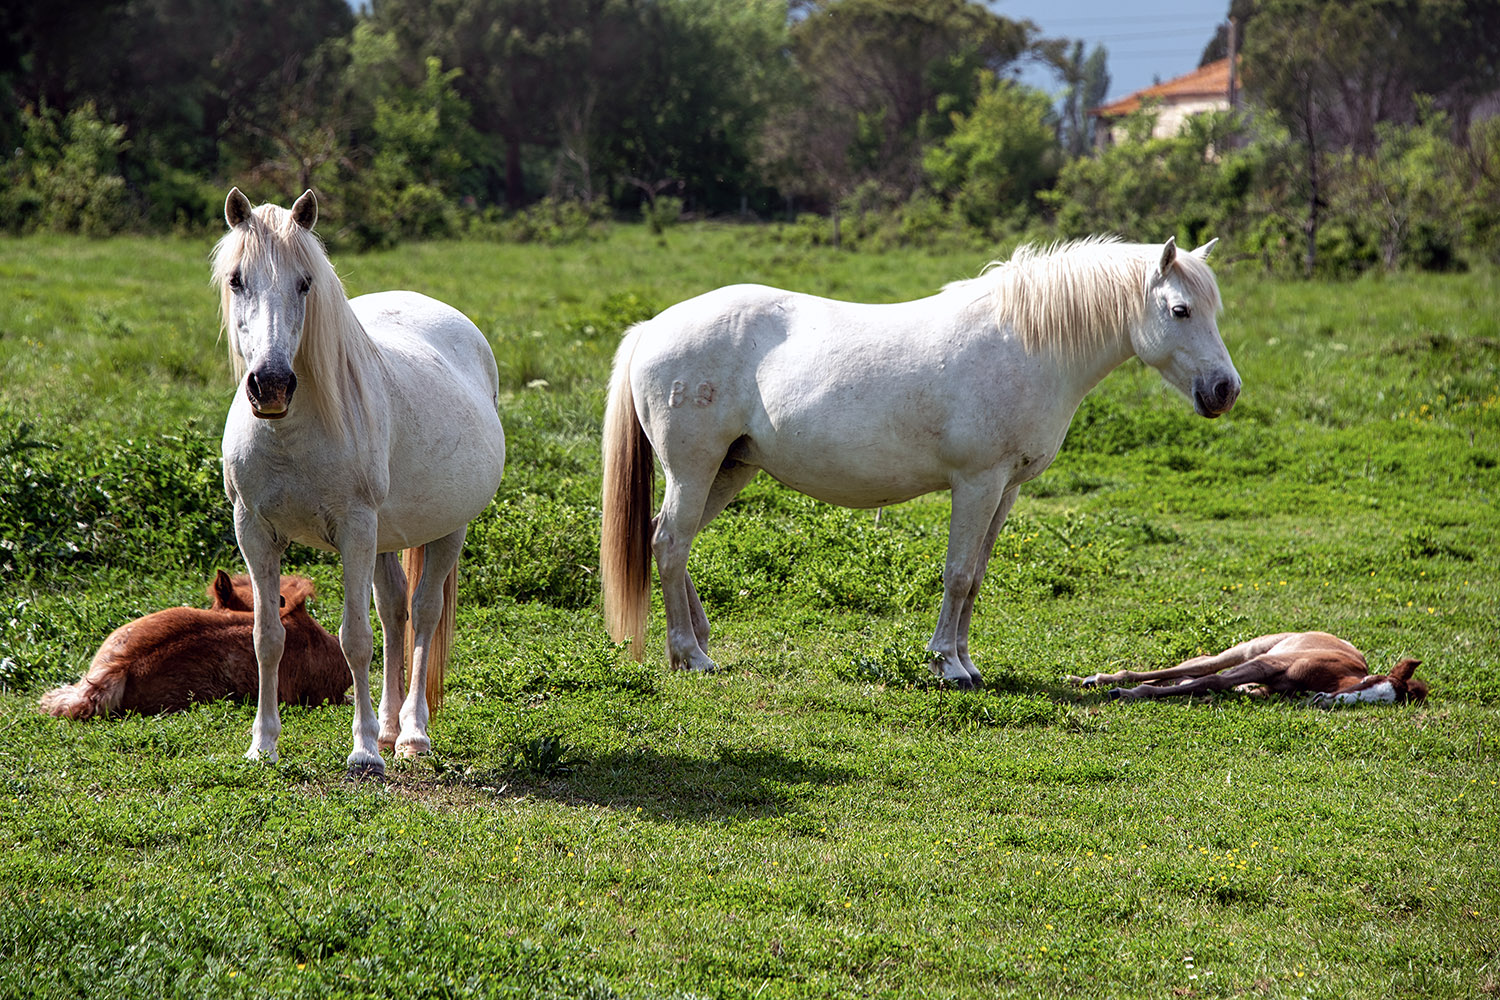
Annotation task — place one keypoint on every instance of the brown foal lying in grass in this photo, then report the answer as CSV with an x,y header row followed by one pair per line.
x,y
1286,663
171,659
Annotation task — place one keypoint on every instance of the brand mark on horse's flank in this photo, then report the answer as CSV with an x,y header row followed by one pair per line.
x,y
703,395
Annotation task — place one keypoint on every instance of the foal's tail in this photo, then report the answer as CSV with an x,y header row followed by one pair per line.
x,y
412,560
98,692
629,486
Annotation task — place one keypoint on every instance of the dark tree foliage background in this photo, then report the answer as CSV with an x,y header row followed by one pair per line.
x,y
1367,137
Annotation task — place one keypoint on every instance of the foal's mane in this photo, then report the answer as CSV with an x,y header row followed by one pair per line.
x,y
335,349
1080,296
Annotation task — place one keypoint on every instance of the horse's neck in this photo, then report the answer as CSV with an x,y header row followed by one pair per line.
x,y
1086,370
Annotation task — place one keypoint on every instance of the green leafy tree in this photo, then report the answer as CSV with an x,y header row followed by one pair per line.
x,y
1141,188
1334,71
999,156
880,80
1409,192
1086,82
689,116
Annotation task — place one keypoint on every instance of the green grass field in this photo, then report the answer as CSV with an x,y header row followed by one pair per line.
x,y
818,819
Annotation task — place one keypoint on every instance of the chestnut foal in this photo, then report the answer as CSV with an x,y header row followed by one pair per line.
x,y
171,659
1286,663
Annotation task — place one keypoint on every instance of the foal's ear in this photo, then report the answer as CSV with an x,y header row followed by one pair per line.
x,y
236,207
1405,669
221,591
1202,252
305,210
1168,256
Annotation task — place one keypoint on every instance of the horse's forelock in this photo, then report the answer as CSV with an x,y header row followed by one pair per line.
x,y
1198,280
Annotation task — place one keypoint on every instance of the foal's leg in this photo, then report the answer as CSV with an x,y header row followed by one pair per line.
x,y
262,555
426,612
1251,672
390,607
975,506
1007,500
357,548
1198,666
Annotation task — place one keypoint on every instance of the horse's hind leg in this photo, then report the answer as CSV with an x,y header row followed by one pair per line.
x,y
732,478
683,505
390,606
426,614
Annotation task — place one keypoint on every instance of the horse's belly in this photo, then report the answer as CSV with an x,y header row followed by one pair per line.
x,y
849,476
442,484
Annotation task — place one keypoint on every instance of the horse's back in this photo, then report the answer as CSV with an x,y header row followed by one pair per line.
x,y
447,447
411,327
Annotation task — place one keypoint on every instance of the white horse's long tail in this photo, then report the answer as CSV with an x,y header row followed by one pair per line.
x,y
629,487
442,641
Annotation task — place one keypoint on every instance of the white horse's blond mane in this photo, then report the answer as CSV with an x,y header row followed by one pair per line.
x,y
1078,297
334,348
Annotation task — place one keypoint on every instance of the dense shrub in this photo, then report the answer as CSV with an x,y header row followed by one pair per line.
x,y
66,175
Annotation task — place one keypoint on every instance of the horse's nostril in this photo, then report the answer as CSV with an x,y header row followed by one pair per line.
x,y
291,384
252,384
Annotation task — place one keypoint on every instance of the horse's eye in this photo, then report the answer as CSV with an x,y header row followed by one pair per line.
x,y
303,286
236,282
1181,311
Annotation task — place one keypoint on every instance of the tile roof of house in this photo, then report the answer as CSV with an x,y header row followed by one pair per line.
x,y
1211,80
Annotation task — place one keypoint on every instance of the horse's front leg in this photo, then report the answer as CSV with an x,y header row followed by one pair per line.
x,y
1007,500
426,616
262,552
357,548
390,607
976,507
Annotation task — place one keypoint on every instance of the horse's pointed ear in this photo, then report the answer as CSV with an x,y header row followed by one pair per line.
x,y
305,210
236,207
1202,252
221,591
1168,255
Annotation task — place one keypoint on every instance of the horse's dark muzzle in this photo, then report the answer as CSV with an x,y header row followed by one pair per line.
x,y
270,393
1216,397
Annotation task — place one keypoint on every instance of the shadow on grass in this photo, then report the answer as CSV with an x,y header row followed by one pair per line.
x,y
736,784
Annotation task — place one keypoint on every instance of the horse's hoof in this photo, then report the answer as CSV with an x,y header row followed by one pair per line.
x,y
260,756
1117,694
362,771
413,748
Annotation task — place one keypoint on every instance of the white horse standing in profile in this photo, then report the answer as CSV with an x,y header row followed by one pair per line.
x,y
393,442
970,390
